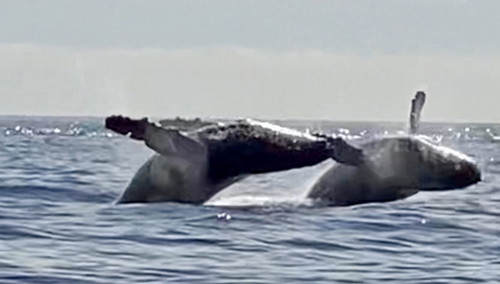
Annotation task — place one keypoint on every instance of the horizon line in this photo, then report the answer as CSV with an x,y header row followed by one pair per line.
x,y
65,116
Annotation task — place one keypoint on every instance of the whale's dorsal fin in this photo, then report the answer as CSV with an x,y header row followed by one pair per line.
x,y
416,108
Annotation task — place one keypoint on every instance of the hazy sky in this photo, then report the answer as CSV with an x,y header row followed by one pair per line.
x,y
336,60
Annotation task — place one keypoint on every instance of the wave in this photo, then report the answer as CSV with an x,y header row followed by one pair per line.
x,y
55,194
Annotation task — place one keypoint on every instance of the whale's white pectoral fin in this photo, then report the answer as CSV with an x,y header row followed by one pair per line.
x,y
170,142
416,108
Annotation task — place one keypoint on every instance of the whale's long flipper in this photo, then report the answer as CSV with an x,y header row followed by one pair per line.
x,y
168,142
416,108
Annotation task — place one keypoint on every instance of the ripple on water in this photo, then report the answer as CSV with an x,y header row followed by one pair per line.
x,y
60,178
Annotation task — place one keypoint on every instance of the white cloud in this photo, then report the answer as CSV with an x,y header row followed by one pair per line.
x,y
237,82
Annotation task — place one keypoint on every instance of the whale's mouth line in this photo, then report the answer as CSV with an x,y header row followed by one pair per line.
x,y
451,187
442,189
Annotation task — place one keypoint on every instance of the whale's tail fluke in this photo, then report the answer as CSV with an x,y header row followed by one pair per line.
x,y
416,108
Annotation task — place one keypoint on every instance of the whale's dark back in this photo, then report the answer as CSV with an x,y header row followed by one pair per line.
x,y
252,148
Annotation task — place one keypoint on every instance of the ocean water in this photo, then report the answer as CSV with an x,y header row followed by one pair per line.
x,y
59,224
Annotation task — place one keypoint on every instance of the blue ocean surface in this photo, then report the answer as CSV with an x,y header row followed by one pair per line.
x,y
60,178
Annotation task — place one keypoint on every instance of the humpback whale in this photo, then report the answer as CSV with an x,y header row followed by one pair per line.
x,y
396,167
193,165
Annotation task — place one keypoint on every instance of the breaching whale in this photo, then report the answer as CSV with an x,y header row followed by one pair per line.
x,y
395,168
192,166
